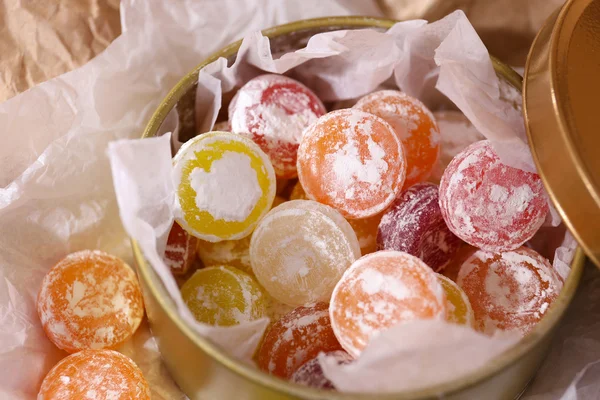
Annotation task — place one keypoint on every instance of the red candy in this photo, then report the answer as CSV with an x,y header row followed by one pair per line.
x,y
414,224
274,110
296,338
311,374
180,252
489,204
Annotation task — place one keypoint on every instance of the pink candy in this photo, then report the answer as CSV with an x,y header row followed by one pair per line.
x,y
414,224
489,204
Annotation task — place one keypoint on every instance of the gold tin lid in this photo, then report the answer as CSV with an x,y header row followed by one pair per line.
x,y
562,112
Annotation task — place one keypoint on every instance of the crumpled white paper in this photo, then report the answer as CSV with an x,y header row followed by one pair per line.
x,y
56,191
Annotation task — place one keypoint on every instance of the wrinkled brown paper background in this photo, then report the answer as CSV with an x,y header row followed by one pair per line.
x,y
43,39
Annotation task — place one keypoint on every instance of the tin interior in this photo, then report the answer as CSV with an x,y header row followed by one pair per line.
x,y
284,38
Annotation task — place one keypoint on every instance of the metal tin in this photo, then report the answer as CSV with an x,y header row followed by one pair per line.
x,y
203,371
561,111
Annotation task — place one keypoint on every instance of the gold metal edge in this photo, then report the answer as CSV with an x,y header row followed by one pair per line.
x,y
488,372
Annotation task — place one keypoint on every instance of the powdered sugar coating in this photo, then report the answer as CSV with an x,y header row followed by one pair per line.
x,y
94,375
224,296
415,126
273,110
414,224
352,161
180,252
235,253
380,290
90,300
488,204
296,338
311,374
509,291
300,250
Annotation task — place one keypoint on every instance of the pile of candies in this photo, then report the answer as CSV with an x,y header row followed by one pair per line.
x,y
360,236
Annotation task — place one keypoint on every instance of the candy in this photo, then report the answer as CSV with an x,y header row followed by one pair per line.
x,y
352,161
298,192
225,184
380,290
235,253
274,110
180,252
300,250
90,300
414,224
311,374
224,296
459,307
415,126
95,374
488,204
296,338
509,291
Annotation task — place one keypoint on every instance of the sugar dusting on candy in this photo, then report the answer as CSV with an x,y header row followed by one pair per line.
x,y
414,224
95,374
274,110
311,373
509,291
380,290
229,190
90,300
180,250
488,204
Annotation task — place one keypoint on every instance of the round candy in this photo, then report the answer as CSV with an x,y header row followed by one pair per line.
x,y
225,184
90,300
459,308
414,224
379,291
488,204
509,291
296,338
180,252
300,250
224,296
415,126
95,374
311,374
366,232
274,110
235,253
352,161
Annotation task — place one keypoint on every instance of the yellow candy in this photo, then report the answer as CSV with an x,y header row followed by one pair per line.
x,y
224,296
459,307
225,184
300,250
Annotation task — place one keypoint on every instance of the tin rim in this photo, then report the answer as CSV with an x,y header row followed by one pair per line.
x,y
488,371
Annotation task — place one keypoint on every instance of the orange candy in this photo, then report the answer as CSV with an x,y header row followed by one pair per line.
x,y
95,374
180,252
90,300
297,338
298,192
509,291
366,232
352,161
415,126
380,290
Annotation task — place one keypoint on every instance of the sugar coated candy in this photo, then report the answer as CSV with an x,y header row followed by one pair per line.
x,y
296,338
90,300
95,374
234,253
180,252
352,161
509,291
311,374
224,296
380,290
225,184
414,224
300,250
488,204
415,126
273,110
366,232
459,306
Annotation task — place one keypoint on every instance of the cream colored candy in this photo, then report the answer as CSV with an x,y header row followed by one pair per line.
x,y
300,250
